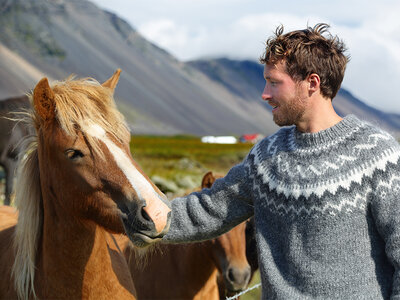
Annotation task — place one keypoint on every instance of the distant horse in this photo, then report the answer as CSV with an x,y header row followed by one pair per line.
x,y
189,271
77,190
11,134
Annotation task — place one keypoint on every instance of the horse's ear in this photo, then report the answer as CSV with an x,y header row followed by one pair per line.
x,y
208,180
111,82
43,100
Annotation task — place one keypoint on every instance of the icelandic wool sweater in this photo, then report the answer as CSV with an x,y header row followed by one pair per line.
x,y
326,208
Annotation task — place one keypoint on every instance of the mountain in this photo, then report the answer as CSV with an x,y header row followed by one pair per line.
x,y
157,93
245,78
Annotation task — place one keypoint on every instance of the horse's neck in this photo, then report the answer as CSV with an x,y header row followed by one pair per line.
x,y
206,270
199,257
209,290
78,260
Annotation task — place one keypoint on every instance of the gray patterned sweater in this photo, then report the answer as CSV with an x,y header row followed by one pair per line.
x,y
326,208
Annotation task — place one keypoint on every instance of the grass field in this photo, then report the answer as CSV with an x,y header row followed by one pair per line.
x,y
161,154
184,158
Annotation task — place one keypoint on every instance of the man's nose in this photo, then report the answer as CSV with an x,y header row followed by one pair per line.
x,y
266,94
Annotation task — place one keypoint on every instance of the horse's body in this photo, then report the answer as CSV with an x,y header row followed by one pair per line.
x,y
78,188
190,271
11,134
91,266
8,217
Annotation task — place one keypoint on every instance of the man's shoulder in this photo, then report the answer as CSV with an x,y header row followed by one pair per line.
x,y
373,134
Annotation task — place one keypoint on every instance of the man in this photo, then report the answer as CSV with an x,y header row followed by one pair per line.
x,y
325,193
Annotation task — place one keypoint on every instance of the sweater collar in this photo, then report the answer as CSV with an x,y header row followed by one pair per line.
x,y
340,130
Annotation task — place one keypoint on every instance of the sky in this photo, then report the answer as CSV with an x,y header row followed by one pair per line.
x,y
238,29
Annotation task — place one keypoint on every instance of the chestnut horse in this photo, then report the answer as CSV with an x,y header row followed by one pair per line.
x,y
11,134
189,271
77,189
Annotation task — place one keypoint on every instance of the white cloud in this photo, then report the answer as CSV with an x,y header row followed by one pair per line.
x,y
165,33
373,73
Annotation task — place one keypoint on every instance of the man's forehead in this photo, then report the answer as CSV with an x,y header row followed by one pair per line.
x,y
278,66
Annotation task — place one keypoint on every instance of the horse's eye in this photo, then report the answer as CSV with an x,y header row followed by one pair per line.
x,y
74,154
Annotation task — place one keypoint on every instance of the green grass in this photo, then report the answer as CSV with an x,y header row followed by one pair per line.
x,y
254,294
177,155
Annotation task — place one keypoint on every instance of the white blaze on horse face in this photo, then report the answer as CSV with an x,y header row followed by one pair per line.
x,y
155,207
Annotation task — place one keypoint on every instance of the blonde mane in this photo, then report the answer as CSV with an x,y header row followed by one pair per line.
x,y
76,103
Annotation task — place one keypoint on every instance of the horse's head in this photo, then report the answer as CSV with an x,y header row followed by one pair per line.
x,y
86,168
229,251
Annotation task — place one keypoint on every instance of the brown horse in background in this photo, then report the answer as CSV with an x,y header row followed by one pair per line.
x,y
77,190
11,134
189,271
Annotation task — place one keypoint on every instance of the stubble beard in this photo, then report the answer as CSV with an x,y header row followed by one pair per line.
x,y
291,112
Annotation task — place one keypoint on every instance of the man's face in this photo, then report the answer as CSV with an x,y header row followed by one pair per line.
x,y
286,96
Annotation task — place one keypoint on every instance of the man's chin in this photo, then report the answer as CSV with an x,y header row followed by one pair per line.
x,y
279,122
282,122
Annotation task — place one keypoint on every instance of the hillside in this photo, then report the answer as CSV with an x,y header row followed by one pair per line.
x,y
157,93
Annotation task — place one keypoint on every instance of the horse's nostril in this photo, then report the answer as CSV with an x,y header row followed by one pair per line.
x,y
231,276
145,215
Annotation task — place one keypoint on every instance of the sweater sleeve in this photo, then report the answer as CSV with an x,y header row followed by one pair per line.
x,y
211,212
386,212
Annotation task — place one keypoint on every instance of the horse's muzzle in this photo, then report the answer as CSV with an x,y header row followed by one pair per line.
x,y
140,227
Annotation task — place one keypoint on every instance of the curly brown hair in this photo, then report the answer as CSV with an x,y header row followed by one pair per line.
x,y
309,51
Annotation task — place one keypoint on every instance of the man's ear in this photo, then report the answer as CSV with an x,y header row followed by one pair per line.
x,y
314,82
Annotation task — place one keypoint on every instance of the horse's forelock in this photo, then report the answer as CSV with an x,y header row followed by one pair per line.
x,y
79,102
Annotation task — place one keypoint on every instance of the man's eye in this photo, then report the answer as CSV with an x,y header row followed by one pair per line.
x,y
74,154
271,82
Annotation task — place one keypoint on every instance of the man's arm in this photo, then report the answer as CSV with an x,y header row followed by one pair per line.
x,y
386,212
211,212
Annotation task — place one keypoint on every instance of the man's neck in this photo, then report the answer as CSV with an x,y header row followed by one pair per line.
x,y
320,115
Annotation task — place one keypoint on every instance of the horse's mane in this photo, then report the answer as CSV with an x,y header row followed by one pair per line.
x,y
76,102
28,199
